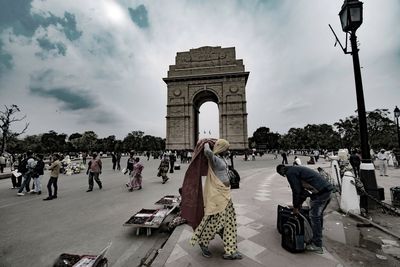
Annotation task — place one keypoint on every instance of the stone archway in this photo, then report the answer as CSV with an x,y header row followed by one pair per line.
x,y
198,76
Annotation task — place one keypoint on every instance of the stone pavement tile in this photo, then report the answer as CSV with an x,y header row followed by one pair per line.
x,y
284,258
243,220
176,254
250,249
246,232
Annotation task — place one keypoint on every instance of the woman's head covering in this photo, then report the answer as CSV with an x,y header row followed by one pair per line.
x,y
220,146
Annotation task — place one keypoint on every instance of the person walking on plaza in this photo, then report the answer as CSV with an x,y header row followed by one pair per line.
x,y
94,171
2,163
26,169
284,157
304,183
355,162
383,163
163,168
113,160
37,176
172,159
55,168
129,163
118,155
218,214
129,169
84,156
136,182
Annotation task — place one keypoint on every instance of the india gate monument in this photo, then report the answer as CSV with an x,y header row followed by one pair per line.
x,y
201,75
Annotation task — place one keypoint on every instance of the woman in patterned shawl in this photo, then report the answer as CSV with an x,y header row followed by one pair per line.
x,y
219,213
163,168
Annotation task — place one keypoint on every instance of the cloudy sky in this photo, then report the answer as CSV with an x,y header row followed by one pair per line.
x,y
98,65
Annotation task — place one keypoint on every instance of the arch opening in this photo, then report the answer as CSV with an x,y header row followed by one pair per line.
x,y
206,115
209,120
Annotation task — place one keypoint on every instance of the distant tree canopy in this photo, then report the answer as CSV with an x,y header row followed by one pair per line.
x,y
264,139
342,134
88,141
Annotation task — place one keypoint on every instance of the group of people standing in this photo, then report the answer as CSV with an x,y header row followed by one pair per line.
x,y
32,167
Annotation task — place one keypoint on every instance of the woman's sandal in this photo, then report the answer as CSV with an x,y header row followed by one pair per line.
x,y
204,250
234,256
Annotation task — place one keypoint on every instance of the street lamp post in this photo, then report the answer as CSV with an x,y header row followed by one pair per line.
x,y
397,115
351,17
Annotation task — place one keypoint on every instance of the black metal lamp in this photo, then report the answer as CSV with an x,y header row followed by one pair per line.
x,y
396,112
351,15
397,115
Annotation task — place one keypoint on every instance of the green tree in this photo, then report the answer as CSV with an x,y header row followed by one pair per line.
x,y
7,118
381,130
53,142
75,142
133,141
264,139
33,143
88,141
110,143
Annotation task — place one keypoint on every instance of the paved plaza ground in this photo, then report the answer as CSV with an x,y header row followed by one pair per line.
x,y
35,232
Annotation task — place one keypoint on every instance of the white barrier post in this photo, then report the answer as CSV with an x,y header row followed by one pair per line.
x,y
349,201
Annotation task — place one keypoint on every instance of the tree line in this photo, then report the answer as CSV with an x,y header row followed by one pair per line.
x,y
88,141
342,134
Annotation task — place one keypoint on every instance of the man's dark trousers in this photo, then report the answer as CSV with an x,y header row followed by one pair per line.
x,y
318,204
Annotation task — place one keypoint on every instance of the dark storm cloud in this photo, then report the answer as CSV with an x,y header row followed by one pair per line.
x,y
5,60
17,15
72,100
55,47
139,16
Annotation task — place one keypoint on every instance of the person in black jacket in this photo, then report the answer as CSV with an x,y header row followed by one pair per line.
x,y
304,183
129,163
37,176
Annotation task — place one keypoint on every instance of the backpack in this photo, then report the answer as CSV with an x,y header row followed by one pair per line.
x,y
293,235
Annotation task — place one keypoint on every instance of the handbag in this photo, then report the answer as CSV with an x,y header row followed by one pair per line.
x,y
234,178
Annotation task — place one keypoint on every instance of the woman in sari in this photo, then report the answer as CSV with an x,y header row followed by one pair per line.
x,y
163,169
219,213
136,182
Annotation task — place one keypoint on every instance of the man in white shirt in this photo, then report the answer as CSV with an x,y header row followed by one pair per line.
x,y
382,158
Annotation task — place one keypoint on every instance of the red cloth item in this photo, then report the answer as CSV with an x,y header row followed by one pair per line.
x,y
192,204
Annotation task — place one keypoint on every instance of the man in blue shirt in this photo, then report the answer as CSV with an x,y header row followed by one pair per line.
x,y
304,183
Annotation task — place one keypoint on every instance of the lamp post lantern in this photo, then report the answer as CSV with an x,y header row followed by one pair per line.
x,y
351,17
397,115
